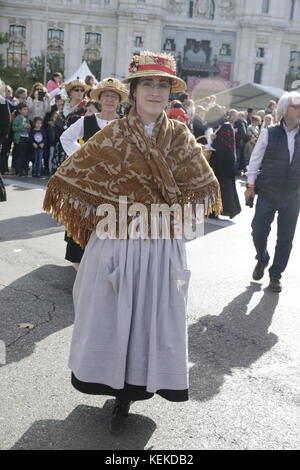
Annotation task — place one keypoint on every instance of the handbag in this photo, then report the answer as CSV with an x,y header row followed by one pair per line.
x,y
2,191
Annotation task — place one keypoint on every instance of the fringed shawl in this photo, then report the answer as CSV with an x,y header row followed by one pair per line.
x,y
121,160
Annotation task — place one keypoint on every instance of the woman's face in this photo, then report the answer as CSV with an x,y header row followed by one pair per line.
x,y
151,96
77,93
109,101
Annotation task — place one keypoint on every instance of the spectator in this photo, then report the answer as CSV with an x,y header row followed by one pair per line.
x,y
74,107
92,107
21,95
21,127
249,149
241,140
253,129
90,81
249,115
7,137
184,98
178,112
268,121
200,125
37,137
223,162
38,102
51,139
272,106
55,82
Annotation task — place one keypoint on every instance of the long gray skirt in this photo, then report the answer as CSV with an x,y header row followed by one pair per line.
x,y
130,314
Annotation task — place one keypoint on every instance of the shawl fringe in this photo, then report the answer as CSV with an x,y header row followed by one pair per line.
x,y
77,209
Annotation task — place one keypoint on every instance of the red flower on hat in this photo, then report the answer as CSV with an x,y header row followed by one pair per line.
x,y
133,66
160,60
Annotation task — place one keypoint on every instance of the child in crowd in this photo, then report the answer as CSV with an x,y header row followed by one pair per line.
x,y
21,127
37,140
51,139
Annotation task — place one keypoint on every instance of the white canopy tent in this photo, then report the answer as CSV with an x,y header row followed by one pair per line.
x,y
80,73
249,95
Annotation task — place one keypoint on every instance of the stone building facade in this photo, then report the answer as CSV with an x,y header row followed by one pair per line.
x,y
234,40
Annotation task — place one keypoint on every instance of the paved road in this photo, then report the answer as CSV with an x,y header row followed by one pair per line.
x,y
243,343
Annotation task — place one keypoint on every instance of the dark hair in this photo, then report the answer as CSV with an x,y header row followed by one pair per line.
x,y
58,97
183,96
21,106
95,103
133,84
56,74
88,78
250,110
36,119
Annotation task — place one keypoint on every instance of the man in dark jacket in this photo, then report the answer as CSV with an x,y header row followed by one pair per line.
x,y
274,170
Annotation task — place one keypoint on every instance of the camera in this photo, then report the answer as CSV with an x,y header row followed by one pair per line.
x,y
41,95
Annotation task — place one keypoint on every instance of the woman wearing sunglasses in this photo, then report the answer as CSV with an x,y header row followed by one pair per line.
x,y
74,108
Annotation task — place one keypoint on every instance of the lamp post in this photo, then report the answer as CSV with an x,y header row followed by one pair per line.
x,y
45,54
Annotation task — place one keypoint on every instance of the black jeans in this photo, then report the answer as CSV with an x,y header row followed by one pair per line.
x,y
286,225
23,154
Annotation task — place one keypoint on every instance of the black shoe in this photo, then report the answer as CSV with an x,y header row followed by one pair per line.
x,y
118,420
259,271
275,285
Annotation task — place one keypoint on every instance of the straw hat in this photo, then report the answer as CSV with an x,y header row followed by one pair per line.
x,y
155,64
76,83
110,84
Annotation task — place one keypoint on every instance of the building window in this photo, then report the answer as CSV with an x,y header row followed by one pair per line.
x,y
260,52
55,34
226,49
138,42
93,37
292,10
191,9
258,73
16,55
15,30
265,6
169,45
295,56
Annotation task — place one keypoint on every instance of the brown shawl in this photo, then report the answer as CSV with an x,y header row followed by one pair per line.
x,y
121,160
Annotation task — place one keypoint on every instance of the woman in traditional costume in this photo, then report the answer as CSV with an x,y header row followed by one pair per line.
x,y
109,94
74,107
130,332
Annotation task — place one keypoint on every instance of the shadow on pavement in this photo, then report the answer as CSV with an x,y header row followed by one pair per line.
x,y
87,428
31,226
42,298
235,338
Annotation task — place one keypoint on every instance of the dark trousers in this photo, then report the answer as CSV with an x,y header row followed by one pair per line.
x,y
23,155
286,225
6,145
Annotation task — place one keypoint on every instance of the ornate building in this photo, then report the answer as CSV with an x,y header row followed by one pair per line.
x,y
231,40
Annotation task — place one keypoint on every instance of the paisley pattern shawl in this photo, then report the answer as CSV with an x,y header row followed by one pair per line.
x,y
121,160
